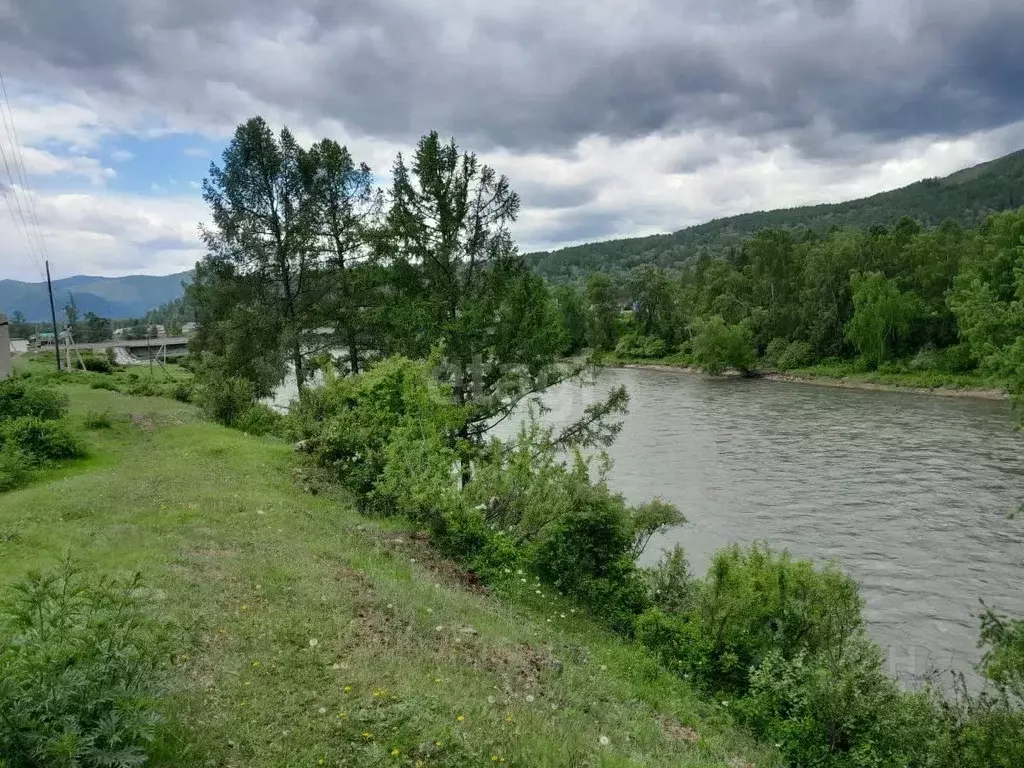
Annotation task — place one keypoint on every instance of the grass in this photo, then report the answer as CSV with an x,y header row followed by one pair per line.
x,y
313,636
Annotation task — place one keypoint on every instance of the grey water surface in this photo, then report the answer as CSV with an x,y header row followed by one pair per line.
x,y
908,493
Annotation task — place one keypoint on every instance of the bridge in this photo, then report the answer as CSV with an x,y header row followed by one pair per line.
x,y
144,349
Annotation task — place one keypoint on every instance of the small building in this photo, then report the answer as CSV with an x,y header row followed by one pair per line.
x,y
189,329
5,348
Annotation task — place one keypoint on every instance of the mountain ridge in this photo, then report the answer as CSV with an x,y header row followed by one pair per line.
x,y
966,196
114,297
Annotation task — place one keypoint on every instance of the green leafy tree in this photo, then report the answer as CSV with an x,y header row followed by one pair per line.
x,y
575,316
604,311
262,238
71,317
494,321
342,193
718,346
655,302
95,328
882,315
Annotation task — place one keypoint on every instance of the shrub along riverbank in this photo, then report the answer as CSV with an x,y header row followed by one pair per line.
x,y
498,624
781,645
302,632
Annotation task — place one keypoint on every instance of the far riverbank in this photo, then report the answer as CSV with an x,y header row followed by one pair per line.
x,y
941,386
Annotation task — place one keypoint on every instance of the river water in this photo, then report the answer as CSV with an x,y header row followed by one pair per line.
x,y
908,493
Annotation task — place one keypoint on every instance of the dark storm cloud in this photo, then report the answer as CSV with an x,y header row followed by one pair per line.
x,y
539,76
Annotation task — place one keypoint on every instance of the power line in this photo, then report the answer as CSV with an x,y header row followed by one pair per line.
x,y
37,247
20,163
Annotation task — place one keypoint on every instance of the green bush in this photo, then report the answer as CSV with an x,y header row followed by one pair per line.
x,y
183,392
773,351
98,420
638,345
20,398
670,583
798,354
15,468
143,388
225,399
41,440
840,710
82,672
754,602
104,384
99,363
718,346
260,419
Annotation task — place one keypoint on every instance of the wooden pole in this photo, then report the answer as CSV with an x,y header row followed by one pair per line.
x,y
53,316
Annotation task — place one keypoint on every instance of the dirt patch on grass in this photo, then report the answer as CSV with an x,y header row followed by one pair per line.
x,y
516,667
676,731
416,547
146,421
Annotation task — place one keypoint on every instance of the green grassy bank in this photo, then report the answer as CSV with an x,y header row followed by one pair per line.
x,y
313,636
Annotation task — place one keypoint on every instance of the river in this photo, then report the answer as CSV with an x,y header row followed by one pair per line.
x,y
908,493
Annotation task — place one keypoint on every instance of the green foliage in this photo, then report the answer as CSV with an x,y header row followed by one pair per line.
x,y
671,584
19,397
41,440
98,363
634,345
224,399
839,709
98,420
796,355
183,392
575,315
259,419
15,468
754,602
103,384
718,346
882,316
604,312
651,518
82,672
1003,662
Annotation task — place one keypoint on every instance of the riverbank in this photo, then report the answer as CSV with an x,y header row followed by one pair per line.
x,y
312,635
921,383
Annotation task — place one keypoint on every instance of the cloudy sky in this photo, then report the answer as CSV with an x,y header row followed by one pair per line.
x,y
611,117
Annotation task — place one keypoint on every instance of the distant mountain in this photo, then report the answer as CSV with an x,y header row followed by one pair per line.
x,y
114,297
966,196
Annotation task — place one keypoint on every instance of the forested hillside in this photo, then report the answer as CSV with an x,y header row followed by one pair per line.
x,y
966,197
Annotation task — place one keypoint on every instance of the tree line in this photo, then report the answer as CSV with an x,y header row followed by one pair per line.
x,y
947,299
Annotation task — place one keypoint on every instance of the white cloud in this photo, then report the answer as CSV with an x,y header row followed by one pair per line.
x,y
121,155
38,162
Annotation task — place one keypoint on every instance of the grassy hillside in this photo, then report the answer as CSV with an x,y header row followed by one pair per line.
x,y
313,636
118,297
967,196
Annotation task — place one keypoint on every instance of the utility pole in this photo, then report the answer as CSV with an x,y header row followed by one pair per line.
x,y
53,316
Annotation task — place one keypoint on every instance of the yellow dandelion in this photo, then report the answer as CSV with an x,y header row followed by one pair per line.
x,y
395,752
367,735
460,718
347,689
437,743
245,607
320,761
494,758
378,693
437,679
248,683
257,664
342,715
